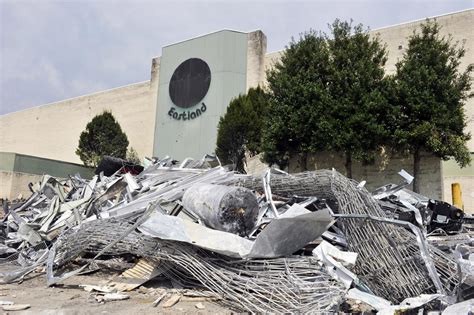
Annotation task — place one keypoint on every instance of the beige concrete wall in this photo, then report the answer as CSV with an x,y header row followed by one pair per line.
x,y
52,130
254,166
384,171
13,184
459,25
270,60
5,184
453,173
381,173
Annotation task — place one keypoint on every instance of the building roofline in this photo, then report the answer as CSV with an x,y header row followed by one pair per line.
x,y
210,33
419,20
75,97
399,24
44,158
274,52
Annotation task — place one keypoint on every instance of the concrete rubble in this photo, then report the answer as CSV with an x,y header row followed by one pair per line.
x,y
311,242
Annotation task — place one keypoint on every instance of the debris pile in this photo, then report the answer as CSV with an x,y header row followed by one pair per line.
x,y
305,242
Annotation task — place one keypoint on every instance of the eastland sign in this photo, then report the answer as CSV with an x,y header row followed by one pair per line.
x,y
188,86
187,115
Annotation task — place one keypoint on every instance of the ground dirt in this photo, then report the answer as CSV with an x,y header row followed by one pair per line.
x,y
70,299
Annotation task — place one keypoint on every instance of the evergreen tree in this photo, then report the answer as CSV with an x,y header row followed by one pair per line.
x,y
359,111
328,93
430,91
296,124
102,136
239,130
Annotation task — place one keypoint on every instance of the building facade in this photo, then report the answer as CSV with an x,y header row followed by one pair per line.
x,y
176,112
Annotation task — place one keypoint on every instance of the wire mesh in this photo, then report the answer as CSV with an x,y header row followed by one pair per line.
x,y
390,261
280,285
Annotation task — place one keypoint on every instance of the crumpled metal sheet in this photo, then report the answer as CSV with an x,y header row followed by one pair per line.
x,y
167,227
276,240
333,259
10,276
290,232
466,307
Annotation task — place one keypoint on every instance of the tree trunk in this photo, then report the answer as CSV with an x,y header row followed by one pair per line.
x,y
416,170
240,163
303,161
348,164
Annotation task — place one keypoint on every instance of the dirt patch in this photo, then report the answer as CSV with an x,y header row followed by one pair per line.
x,y
70,299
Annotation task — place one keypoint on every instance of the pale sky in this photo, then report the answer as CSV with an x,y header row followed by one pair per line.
x,y
54,50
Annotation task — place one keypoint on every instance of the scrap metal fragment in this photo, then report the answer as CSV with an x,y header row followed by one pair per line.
x,y
18,274
52,279
134,277
114,297
408,304
254,273
385,307
466,307
375,301
276,240
159,299
200,306
172,300
16,307
332,258
98,288
29,234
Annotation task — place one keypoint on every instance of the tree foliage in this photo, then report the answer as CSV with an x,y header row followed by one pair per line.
x,y
102,136
359,110
132,156
328,93
239,130
430,92
298,95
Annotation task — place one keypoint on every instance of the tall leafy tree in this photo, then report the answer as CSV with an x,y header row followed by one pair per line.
x,y
328,93
431,91
102,136
359,111
296,123
239,130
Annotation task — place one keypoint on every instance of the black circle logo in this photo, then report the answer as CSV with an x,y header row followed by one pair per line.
x,y
190,82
